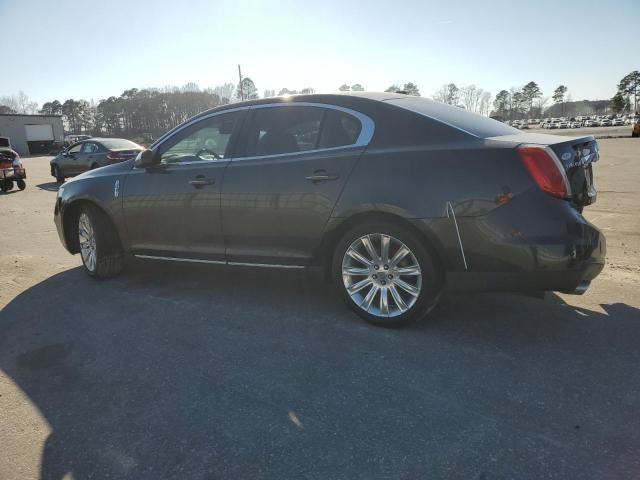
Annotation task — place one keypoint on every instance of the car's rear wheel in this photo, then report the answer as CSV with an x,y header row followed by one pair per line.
x,y
386,275
100,249
58,174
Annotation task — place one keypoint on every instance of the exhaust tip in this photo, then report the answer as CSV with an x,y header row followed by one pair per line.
x,y
581,289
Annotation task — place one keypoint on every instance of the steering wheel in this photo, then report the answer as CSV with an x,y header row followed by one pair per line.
x,y
211,152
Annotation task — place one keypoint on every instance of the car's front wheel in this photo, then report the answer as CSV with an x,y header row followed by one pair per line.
x,y
99,246
58,174
386,275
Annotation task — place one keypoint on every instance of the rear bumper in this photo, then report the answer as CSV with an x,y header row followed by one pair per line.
x,y
528,246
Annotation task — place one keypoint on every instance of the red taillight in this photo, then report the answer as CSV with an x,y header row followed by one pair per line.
x,y
116,157
544,170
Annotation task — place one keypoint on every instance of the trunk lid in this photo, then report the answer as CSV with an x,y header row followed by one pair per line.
x,y
576,155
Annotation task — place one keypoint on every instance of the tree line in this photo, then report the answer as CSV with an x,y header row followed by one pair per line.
x,y
149,112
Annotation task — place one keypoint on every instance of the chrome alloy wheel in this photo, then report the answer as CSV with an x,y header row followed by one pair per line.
x,y
382,275
87,238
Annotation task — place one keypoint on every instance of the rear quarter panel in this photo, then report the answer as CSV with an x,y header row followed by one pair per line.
x,y
417,182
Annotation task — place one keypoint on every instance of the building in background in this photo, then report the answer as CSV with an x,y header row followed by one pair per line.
x,y
31,134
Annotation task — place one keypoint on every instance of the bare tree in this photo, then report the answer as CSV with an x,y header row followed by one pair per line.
x,y
471,97
449,94
20,103
485,104
224,91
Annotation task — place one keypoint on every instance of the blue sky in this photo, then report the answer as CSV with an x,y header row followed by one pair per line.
x,y
94,49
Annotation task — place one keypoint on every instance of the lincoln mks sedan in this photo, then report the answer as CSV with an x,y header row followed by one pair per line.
x,y
398,198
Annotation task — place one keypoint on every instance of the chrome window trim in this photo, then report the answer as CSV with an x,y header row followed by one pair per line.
x,y
290,154
367,129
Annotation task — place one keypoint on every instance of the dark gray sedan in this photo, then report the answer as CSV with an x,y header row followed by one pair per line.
x,y
90,154
398,198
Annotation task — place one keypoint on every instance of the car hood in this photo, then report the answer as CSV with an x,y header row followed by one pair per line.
x,y
115,169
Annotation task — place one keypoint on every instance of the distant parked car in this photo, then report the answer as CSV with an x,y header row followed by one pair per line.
x,y
90,154
524,124
563,124
70,139
590,123
575,124
604,122
617,122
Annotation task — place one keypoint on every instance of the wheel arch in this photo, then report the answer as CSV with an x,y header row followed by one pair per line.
x,y
339,226
70,222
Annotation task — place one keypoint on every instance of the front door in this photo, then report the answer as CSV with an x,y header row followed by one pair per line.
x,y
69,163
173,209
292,164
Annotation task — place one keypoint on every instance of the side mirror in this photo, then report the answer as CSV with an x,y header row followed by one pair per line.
x,y
147,158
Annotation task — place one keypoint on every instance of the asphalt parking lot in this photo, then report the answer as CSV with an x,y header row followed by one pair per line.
x,y
173,371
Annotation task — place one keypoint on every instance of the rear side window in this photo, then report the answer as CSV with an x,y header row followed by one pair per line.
x,y
291,129
287,129
338,129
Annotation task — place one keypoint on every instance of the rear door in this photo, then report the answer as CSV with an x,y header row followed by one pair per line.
x,y
86,156
292,163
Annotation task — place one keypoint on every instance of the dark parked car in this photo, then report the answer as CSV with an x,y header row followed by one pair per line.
x,y
397,197
90,154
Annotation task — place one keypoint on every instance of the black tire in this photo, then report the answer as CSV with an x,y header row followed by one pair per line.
x,y
58,174
21,184
93,166
6,185
431,280
110,260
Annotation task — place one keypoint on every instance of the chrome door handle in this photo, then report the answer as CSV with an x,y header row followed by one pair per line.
x,y
201,182
321,177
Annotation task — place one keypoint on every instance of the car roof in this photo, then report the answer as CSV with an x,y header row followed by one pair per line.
x,y
455,117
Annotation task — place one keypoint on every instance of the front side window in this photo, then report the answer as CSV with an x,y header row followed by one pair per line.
x,y
280,130
75,148
207,140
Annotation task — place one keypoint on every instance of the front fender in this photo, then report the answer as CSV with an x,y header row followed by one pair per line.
x,y
104,191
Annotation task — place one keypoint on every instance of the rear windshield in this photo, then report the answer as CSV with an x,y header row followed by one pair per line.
x,y
473,123
119,144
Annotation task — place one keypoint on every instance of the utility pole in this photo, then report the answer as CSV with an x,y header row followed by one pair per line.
x,y
240,86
